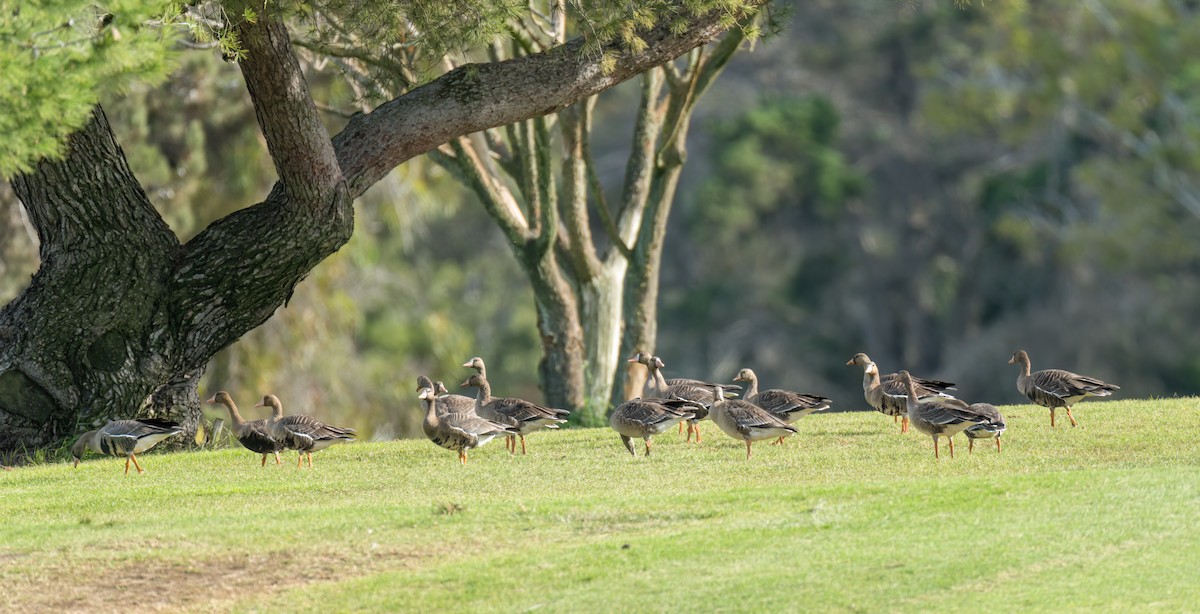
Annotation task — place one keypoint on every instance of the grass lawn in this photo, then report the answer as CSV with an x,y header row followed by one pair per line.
x,y
848,515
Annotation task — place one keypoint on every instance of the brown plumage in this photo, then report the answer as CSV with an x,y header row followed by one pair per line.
x,y
939,416
697,391
254,435
526,416
746,421
126,438
447,403
456,430
789,406
886,393
304,434
993,428
1054,388
647,417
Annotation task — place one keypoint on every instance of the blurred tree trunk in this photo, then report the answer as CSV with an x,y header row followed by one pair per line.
x,y
596,296
121,318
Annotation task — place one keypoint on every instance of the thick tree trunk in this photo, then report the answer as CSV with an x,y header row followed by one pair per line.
x,y
601,303
121,319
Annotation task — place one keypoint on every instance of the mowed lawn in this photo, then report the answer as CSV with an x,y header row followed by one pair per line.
x,y
848,515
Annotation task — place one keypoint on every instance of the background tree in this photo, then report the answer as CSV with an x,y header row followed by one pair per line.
x,y
123,315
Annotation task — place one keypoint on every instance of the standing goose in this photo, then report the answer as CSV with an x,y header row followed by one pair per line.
x,y
648,417
658,387
253,434
126,438
746,421
447,403
938,416
304,434
993,428
886,392
1056,388
524,415
455,430
789,406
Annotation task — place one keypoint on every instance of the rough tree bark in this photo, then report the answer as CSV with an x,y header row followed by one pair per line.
x,y
596,297
121,318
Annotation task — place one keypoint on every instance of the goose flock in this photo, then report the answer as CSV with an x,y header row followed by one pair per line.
x,y
462,423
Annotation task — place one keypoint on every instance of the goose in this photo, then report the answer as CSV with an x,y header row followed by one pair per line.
x,y
455,430
447,403
939,416
126,438
789,406
304,434
658,387
648,417
993,428
1056,388
524,415
746,421
886,393
251,434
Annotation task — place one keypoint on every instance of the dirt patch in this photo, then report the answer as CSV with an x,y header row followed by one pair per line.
x,y
205,585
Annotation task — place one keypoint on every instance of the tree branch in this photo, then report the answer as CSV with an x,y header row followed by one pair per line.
x,y
639,172
574,127
479,96
299,145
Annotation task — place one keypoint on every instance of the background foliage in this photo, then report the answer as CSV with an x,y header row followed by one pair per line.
x,y
934,185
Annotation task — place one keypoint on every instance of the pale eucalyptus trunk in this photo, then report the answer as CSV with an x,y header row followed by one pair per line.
x,y
121,317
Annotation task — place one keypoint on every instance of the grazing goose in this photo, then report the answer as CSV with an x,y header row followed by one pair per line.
x,y
1056,388
253,435
524,415
126,438
886,393
455,430
648,417
939,416
658,387
447,403
746,421
993,428
304,434
789,406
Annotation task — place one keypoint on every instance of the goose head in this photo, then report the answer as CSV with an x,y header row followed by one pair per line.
x,y
423,382
81,446
1019,358
745,375
476,380
221,398
272,401
859,359
475,363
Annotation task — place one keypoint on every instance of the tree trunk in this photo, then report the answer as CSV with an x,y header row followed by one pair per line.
x,y
601,300
120,319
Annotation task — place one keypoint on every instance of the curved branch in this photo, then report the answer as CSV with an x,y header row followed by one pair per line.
x,y
480,96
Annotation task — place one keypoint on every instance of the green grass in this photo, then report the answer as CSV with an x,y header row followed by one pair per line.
x,y
848,515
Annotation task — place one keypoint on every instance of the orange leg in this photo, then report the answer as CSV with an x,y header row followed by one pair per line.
x,y
689,431
647,447
696,427
935,448
127,466
277,461
951,440
904,424
777,441
310,460
1073,423
997,444
747,448
133,457
681,429
264,462
299,459
970,446
462,456
522,444
1051,417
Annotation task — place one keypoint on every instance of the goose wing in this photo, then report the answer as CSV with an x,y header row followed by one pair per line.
x,y
1064,384
944,412
786,402
255,437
